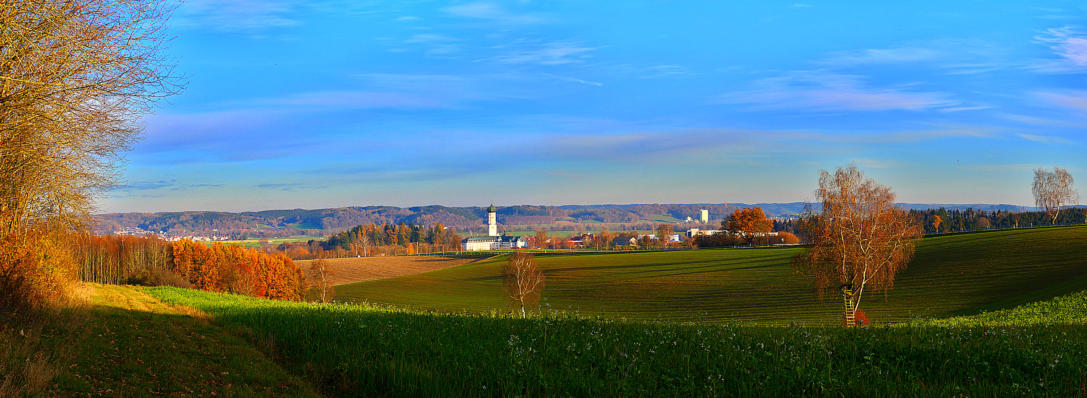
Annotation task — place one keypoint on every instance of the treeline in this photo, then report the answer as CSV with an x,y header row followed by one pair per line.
x,y
218,267
375,240
393,235
973,220
939,221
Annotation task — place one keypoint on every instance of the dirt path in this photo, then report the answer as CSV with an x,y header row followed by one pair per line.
x,y
132,344
359,269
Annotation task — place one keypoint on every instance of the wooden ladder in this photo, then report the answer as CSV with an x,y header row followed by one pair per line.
x,y
847,301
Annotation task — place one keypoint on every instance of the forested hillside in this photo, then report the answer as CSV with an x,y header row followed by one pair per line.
x,y
319,222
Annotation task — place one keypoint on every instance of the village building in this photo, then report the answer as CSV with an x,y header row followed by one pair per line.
x,y
694,232
493,241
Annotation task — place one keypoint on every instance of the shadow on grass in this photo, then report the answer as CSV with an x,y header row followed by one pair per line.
x,y
107,350
352,351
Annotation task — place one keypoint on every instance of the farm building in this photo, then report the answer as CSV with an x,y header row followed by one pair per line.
x,y
493,241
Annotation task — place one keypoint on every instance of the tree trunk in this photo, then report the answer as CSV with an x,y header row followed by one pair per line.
x,y
523,316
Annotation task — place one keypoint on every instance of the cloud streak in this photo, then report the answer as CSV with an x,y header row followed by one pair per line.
x,y
1070,47
237,15
819,91
494,13
552,53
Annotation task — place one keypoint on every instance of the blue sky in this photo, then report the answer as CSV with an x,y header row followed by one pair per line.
x,y
324,103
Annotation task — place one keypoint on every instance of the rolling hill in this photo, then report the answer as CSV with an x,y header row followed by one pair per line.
x,y
317,222
950,275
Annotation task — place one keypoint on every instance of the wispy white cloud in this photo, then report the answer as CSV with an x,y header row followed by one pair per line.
x,y
427,38
875,56
890,137
659,71
1045,139
551,53
494,13
826,91
949,56
237,15
1070,48
965,108
356,100
574,80
451,89
435,44
1041,121
877,164
1069,99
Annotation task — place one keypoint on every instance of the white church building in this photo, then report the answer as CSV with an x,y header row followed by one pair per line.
x,y
493,241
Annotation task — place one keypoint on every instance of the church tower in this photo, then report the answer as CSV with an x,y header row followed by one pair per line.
x,y
492,221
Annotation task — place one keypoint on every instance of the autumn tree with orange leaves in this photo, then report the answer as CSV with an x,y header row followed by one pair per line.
x,y
75,75
748,221
860,240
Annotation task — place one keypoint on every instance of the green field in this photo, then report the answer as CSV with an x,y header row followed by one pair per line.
x,y
567,234
270,241
353,350
950,275
996,314
122,342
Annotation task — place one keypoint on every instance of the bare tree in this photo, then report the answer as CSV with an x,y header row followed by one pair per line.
x,y
1052,190
318,273
860,240
74,77
540,239
664,234
524,281
364,240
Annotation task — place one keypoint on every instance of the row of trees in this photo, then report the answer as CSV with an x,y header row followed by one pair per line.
x,y
216,267
949,221
942,221
361,238
237,269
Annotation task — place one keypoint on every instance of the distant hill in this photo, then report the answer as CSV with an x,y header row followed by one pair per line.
x,y
319,222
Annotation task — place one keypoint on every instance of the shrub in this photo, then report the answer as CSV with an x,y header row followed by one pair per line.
x,y
34,271
788,238
159,277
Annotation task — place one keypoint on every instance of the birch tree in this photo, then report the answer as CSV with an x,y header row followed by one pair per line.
x,y
860,240
321,279
1053,190
524,281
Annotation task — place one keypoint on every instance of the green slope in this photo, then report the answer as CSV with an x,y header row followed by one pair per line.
x,y
950,275
125,343
350,350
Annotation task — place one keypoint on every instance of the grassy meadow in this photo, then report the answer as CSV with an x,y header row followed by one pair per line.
x,y
354,350
270,241
984,314
119,341
950,275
